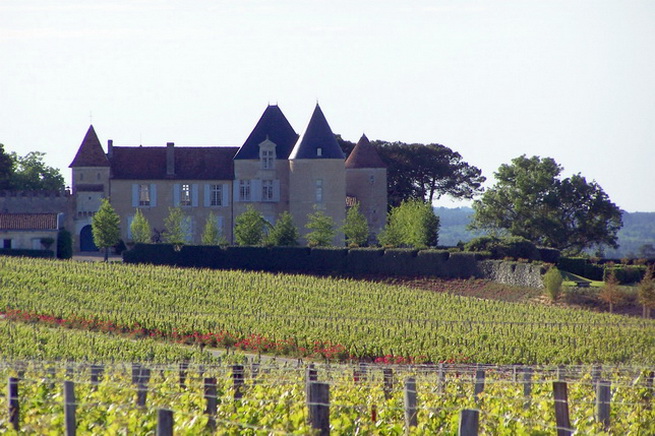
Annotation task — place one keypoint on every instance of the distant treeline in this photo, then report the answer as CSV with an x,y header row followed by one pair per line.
x,y
636,238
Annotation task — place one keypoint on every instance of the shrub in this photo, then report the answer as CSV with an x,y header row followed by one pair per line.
x,y
611,292
412,224
249,227
64,244
355,227
514,247
553,283
322,229
284,233
626,274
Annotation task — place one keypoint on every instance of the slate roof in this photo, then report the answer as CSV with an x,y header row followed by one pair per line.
x,y
28,221
191,163
274,126
90,153
364,155
317,135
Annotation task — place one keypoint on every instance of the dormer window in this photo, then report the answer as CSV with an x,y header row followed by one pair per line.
x,y
267,154
319,152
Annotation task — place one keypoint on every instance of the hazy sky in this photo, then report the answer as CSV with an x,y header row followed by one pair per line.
x,y
571,80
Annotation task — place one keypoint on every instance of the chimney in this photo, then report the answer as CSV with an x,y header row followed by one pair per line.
x,y
110,147
170,159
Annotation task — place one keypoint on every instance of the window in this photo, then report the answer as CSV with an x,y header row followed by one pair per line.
x,y
81,176
371,179
268,159
244,190
185,194
144,195
215,195
267,190
6,244
319,152
319,191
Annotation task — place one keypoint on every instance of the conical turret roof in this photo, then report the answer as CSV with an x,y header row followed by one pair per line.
x,y
90,153
318,141
272,125
364,155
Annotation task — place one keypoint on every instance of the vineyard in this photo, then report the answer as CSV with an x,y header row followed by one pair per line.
x,y
303,316
254,399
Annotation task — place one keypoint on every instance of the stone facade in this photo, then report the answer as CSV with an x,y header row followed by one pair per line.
x,y
275,170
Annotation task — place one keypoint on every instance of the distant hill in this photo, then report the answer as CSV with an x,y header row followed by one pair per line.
x,y
636,238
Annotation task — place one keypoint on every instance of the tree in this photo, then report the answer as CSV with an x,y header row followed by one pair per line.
x,y
611,293
6,169
530,200
64,244
424,171
284,233
32,174
355,227
646,290
140,228
250,227
322,229
412,224
105,226
211,234
177,227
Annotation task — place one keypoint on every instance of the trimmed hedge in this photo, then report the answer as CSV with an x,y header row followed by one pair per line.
x,y
24,252
626,274
338,261
582,267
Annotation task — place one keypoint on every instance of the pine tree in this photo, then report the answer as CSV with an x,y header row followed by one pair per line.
x,y
284,233
355,227
211,234
140,228
249,227
322,229
106,227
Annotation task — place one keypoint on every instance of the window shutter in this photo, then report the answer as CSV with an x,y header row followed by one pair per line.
x,y
226,195
176,194
276,190
206,194
256,190
194,195
235,191
153,195
135,195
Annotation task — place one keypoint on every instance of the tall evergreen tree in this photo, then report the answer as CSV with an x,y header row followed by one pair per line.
x,y
283,233
322,229
211,234
105,226
177,226
140,228
250,227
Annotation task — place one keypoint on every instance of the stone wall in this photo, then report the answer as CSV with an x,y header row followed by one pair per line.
x,y
513,273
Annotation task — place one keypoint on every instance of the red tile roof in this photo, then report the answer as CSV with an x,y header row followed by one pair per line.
x,y
191,163
364,155
90,153
28,221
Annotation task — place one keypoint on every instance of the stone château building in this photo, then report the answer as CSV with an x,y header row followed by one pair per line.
x,y
275,170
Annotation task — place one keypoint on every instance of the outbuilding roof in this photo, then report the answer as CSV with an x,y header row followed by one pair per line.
x,y
28,221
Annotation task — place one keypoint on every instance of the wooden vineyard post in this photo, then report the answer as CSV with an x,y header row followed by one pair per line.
x,y
388,382
184,366
411,419
164,422
468,422
142,387
441,379
479,383
96,375
136,372
237,381
311,376
603,394
52,373
14,406
562,409
69,408
212,401
595,374
527,386
319,407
